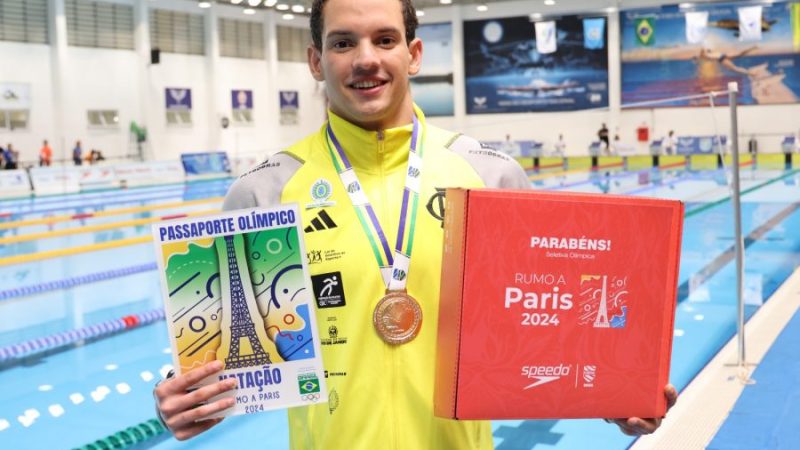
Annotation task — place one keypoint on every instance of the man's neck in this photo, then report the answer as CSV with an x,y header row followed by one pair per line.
x,y
403,117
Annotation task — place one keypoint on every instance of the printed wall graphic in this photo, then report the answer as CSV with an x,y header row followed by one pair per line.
x,y
289,106
507,70
178,99
15,96
672,52
433,86
241,99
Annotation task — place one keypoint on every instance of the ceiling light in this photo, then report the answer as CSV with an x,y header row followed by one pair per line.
x,y
282,7
445,2
236,2
685,5
270,3
288,16
298,9
420,13
549,2
611,9
308,10
253,2
482,8
204,4
535,16
249,11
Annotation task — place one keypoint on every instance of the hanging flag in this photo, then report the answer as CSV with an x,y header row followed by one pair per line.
x,y
545,36
796,25
646,31
750,23
696,26
594,33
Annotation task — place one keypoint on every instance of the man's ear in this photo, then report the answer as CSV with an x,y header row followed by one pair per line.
x,y
314,62
415,50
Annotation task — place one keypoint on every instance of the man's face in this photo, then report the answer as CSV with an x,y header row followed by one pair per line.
x,y
365,62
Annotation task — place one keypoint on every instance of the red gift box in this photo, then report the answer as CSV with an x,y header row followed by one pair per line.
x,y
556,305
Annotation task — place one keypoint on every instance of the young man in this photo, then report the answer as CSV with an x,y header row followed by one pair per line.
x,y
45,155
380,385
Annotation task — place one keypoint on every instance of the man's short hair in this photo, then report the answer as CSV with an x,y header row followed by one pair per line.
x,y
409,21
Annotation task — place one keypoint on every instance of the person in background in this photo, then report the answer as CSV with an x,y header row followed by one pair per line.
x,y
45,155
560,147
670,143
509,147
11,157
77,154
602,134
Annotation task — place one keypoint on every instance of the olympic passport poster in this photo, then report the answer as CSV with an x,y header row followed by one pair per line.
x,y
236,289
559,305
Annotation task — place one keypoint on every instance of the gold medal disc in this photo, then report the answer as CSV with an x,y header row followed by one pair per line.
x,y
397,317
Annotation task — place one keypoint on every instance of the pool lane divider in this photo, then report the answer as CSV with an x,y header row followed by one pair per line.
x,y
55,341
71,282
704,274
129,437
110,212
98,227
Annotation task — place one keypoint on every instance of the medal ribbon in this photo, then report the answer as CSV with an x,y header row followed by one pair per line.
x,y
399,262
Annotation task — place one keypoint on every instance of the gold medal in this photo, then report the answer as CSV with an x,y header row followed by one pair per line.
x,y
397,317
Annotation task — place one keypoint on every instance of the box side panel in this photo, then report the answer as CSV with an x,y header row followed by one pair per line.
x,y
449,327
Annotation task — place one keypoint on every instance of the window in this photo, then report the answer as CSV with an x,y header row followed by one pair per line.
x,y
103,119
14,119
177,32
179,118
24,21
243,116
241,39
292,43
99,24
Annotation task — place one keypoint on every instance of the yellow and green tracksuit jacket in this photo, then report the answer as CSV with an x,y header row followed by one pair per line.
x,y
381,396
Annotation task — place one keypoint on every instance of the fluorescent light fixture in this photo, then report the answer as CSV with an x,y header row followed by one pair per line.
x,y
249,11
482,8
420,13
535,16
288,16
270,3
685,5
549,2
282,7
204,4
611,9
236,2
445,2
253,2
298,9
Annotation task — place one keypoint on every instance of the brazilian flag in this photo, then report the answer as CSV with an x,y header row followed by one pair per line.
x,y
308,384
796,25
646,31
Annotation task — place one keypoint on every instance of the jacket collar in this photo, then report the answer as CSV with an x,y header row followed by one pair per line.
x,y
375,151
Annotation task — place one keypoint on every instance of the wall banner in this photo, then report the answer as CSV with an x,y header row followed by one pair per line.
x,y
508,70
289,106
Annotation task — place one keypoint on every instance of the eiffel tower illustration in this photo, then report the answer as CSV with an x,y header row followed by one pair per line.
x,y
242,326
602,313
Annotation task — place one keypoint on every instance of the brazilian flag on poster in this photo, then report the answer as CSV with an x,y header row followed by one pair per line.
x,y
646,31
796,25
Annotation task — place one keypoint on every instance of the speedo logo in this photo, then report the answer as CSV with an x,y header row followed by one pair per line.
x,y
322,222
544,374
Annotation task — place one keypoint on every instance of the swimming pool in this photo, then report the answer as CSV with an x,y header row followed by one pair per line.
x,y
75,395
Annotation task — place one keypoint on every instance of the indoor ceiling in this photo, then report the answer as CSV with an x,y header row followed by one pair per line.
x,y
555,6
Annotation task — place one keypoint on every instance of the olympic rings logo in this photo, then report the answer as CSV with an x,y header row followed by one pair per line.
x,y
310,397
